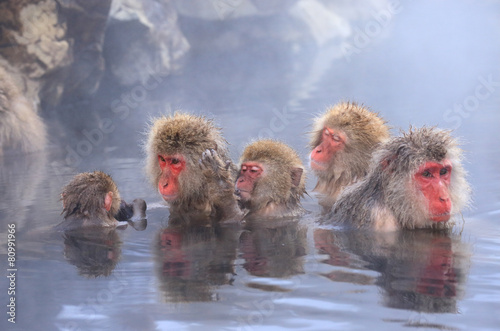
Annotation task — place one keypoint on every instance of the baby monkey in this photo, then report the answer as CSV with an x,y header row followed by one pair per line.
x,y
271,180
91,199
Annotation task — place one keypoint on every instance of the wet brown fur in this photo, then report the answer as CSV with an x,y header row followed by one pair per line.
x,y
83,198
364,130
387,197
20,126
209,191
274,194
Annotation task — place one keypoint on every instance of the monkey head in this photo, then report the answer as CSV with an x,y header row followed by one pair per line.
x,y
271,178
174,148
424,177
342,142
91,195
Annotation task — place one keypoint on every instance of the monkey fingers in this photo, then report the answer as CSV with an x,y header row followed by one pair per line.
x,y
210,161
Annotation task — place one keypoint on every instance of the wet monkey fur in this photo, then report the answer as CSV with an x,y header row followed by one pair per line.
x,y
91,199
414,181
342,142
21,128
189,164
271,180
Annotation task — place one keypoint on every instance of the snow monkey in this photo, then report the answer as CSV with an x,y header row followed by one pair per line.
x,y
20,126
187,160
414,181
342,142
91,199
271,180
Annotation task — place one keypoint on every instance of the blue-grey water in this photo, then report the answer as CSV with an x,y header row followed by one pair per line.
x,y
431,63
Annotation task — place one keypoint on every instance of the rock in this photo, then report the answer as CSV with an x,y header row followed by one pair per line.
x,y
143,37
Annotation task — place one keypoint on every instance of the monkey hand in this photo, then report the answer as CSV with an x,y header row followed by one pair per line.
x,y
212,165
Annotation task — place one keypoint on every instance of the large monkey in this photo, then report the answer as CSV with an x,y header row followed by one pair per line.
x,y
91,199
415,181
342,142
20,126
271,180
187,160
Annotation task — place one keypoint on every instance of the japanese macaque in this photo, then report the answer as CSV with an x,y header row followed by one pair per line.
x,y
188,162
271,180
91,199
415,181
20,126
342,142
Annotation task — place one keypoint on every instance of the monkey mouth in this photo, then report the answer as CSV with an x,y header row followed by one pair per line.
x,y
315,165
443,217
169,197
243,195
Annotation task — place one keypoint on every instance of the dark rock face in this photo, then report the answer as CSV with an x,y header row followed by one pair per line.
x,y
57,46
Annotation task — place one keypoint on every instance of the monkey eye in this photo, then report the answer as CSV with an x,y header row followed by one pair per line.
x,y
161,158
326,132
254,169
175,161
443,171
336,137
426,173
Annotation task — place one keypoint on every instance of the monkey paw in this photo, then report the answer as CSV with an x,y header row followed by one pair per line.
x,y
210,161
212,164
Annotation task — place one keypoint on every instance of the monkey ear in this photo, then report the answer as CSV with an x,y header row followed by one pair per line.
x,y
108,200
386,162
296,174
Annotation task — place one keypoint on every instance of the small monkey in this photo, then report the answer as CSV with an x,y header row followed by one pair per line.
x,y
415,181
188,162
91,199
271,180
342,142
20,126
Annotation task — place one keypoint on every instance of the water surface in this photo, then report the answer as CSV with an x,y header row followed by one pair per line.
x,y
295,274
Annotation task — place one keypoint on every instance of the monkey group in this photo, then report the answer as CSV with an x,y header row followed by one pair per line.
x,y
365,177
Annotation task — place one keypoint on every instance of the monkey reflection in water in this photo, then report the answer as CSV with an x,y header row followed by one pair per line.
x,y
273,248
94,253
192,262
422,270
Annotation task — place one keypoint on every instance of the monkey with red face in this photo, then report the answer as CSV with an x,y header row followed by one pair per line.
x,y
188,162
342,143
414,181
271,180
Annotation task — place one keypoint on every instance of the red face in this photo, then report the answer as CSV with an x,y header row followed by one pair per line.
x,y
433,180
332,141
171,166
249,175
